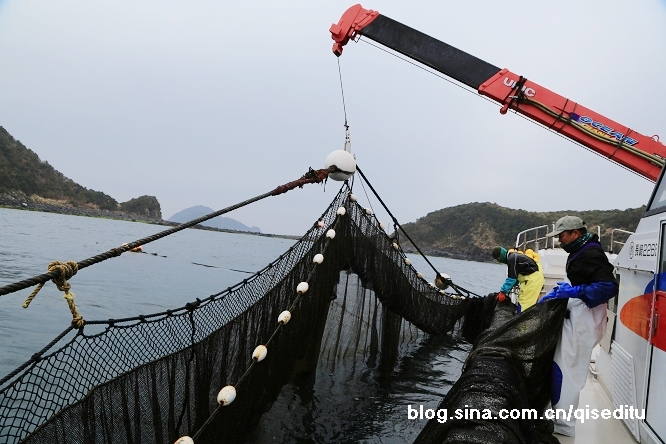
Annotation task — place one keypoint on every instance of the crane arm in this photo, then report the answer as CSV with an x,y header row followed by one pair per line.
x,y
641,154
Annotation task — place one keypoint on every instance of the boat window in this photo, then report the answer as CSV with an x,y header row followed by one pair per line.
x,y
660,278
659,197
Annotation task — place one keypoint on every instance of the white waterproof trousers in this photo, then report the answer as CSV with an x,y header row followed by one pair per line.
x,y
583,329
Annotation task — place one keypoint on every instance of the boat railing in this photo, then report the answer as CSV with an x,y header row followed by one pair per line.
x,y
531,238
613,241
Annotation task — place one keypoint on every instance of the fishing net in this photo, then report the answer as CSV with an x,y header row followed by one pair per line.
x,y
506,375
151,379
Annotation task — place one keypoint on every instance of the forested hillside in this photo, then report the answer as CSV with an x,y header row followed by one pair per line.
x,y
22,171
468,231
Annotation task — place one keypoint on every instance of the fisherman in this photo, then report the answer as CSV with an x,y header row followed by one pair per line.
x,y
525,271
592,284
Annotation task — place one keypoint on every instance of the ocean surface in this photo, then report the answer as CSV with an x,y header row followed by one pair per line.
x,y
195,264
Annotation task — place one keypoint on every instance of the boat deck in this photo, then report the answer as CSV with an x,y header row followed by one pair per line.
x,y
600,430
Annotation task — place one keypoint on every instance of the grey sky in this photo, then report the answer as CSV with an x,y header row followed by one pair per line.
x,y
213,102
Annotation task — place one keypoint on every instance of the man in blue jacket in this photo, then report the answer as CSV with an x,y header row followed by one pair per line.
x,y
592,284
588,269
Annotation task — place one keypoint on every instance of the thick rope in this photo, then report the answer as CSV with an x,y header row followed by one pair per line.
x,y
64,270
312,176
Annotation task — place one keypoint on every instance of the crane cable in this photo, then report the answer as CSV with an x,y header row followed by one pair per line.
x,y
654,159
344,108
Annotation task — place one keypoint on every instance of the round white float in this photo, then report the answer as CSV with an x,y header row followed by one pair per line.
x,y
259,353
302,288
227,395
344,161
284,317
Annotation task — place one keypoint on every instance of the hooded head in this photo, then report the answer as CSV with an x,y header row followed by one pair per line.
x,y
499,253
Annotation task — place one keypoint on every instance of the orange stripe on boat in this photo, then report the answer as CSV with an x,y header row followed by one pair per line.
x,y
635,315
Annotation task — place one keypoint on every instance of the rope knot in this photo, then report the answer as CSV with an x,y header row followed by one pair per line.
x,y
65,271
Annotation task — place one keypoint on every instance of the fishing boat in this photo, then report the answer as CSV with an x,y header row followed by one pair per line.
x,y
604,390
632,355
631,361
206,370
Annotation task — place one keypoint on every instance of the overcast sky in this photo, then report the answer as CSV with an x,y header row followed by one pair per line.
x,y
210,102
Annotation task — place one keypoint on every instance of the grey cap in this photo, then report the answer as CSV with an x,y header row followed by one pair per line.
x,y
566,223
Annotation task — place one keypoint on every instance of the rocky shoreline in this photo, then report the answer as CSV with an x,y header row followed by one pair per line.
x,y
20,201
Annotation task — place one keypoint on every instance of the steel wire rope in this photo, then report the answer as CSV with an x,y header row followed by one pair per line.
x,y
429,71
313,176
366,196
344,109
646,156
395,221
344,106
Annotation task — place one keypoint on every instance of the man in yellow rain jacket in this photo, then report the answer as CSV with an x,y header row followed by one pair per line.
x,y
523,270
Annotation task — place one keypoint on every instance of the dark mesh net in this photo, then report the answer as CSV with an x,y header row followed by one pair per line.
x,y
152,379
507,371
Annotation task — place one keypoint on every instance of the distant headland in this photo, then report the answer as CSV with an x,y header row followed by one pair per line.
x,y
29,183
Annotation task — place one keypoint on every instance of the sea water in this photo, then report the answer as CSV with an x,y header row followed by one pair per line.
x,y
195,264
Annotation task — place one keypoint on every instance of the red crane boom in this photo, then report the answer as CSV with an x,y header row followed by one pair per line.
x,y
641,154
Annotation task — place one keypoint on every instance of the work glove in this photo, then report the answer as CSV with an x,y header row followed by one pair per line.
x,y
501,297
562,290
565,290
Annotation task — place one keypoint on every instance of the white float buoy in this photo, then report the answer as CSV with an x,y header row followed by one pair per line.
x,y
382,226
284,317
342,211
227,395
302,288
419,275
431,285
407,262
344,162
184,440
330,233
396,246
453,296
320,223
259,353
352,197
368,211
318,258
